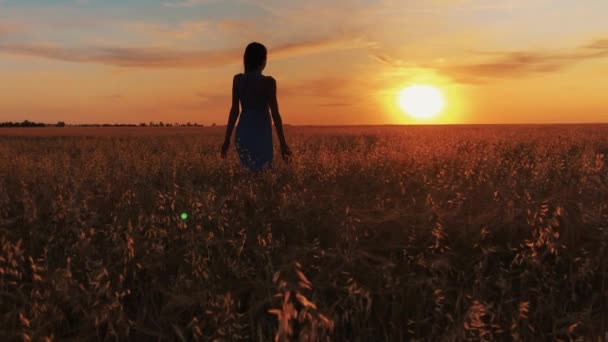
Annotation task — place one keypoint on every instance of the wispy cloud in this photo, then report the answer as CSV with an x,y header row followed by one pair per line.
x,y
389,60
322,87
324,91
511,64
181,31
187,3
169,58
599,44
6,29
336,104
524,63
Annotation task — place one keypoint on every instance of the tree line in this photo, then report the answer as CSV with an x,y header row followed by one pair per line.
x,y
28,123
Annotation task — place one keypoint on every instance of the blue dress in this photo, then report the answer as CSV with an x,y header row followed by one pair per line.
x,y
253,137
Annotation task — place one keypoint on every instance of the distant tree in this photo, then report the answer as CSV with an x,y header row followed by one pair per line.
x,y
25,123
161,124
151,124
189,124
213,124
60,124
143,124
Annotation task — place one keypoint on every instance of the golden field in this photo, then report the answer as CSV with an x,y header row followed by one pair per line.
x,y
369,234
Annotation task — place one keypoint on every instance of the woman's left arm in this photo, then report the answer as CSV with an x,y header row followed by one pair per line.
x,y
276,117
232,117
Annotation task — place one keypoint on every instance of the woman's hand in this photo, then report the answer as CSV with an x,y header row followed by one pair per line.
x,y
225,147
285,152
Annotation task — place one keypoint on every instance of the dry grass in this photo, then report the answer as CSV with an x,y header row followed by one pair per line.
x,y
427,233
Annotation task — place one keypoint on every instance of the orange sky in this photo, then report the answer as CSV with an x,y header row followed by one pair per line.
x,y
336,62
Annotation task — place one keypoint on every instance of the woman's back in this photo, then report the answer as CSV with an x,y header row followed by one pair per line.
x,y
254,130
253,92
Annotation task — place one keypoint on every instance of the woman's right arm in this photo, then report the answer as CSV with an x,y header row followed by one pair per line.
x,y
233,116
276,118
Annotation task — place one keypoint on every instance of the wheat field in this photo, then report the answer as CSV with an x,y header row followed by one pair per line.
x,y
369,234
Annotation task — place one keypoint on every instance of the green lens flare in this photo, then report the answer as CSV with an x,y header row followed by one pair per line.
x,y
184,216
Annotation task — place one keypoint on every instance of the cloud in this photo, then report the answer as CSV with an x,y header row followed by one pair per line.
x,y
181,31
198,31
336,104
169,58
317,45
600,44
187,3
6,29
384,59
326,91
323,87
391,61
524,63
512,64
238,26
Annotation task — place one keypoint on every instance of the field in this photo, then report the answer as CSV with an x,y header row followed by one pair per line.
x,y
369,234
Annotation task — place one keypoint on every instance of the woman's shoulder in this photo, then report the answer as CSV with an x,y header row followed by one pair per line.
x,y
270,80
237,79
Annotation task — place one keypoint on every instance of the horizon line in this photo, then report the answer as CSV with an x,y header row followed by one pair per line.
x,y
201,125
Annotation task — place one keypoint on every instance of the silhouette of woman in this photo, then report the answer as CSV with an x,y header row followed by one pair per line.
x,y
257,95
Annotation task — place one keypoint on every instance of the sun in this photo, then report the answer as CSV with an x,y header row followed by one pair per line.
x,y
421,101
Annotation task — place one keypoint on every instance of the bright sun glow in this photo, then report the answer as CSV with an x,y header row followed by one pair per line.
x,y
421,101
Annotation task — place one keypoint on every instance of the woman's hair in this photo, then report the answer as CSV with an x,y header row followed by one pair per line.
x,y
255,56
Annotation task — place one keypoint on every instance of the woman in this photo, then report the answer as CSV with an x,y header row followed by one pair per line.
x,y
257,95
